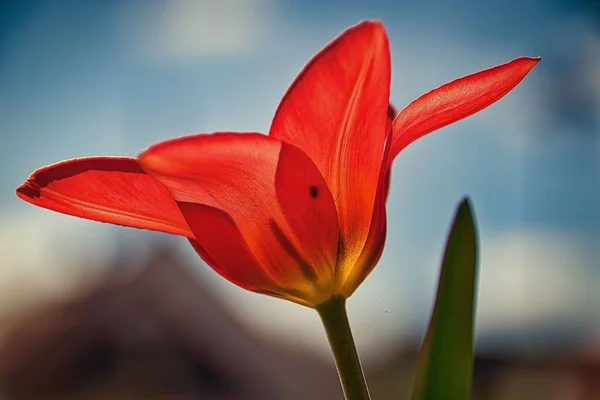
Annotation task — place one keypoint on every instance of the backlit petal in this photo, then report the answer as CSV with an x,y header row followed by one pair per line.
x,y
275,198
106,189
456,100
371,252
243,268
350,277
335,111
221,245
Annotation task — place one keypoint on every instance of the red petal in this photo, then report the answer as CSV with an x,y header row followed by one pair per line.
x,y
220,243
335,111
456,100
106,189
372,250
349,278
275,197
239,249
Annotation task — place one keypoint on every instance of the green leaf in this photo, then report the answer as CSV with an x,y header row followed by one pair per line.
x,y
445,365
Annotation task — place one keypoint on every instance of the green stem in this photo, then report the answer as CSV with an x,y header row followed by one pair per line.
x,y
335,320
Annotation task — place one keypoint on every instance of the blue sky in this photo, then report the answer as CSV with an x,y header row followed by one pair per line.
x,y
112,77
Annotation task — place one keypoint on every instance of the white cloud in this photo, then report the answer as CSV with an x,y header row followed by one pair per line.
x,y
188,29
530,281
533,278
45,255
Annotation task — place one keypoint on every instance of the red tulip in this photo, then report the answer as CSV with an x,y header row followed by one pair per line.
x,y
300,213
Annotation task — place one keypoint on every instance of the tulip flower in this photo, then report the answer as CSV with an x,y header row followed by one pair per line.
x,y
299,213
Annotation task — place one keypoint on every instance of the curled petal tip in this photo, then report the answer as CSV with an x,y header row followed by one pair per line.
x,y
28,190
105,189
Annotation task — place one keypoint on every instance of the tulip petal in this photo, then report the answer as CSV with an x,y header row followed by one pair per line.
x,y
456,100
335,111
107,189
275,198
352,276
221,244
230,248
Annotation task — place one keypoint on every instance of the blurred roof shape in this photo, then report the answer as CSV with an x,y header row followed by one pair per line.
x,y
157,333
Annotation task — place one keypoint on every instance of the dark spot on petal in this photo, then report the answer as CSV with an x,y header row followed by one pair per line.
x,y
314,192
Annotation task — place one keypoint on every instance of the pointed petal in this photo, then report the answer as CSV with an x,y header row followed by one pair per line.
x,y
335,111
275,197
107,189
456,100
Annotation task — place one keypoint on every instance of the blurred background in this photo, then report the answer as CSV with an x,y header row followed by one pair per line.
x,y
89,310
